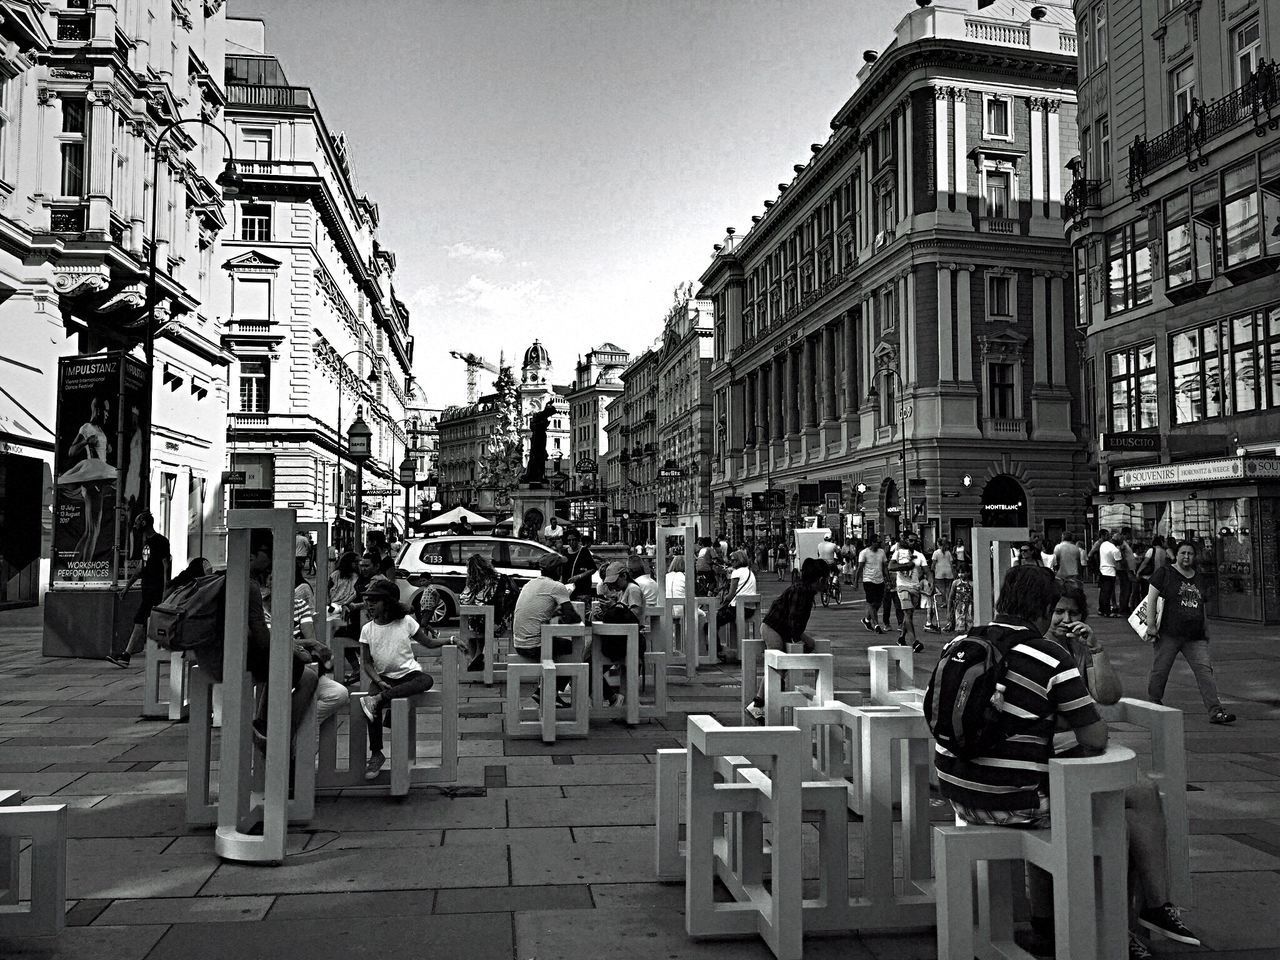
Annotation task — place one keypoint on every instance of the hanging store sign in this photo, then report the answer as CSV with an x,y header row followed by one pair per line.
x,y
585,465
1199,471
1131,441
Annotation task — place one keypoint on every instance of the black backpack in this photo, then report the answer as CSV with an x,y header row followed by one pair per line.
x,y
962,703
192,616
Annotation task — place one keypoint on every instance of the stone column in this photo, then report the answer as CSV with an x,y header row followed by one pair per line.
x,y
829,373
946,326
961,152
750,409
1039,328
777,405
1058,328
762,405
941,148
808,354
851,378
1055,168
1038,171
791,394
964,324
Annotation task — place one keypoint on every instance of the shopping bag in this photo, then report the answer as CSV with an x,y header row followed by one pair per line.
x,y
1138,619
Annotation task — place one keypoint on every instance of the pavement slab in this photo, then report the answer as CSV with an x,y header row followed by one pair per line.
x,y
574,812
626,861
86,943
333,906
168,910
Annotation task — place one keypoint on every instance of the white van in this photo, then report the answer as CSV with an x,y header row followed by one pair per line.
x,y
445,558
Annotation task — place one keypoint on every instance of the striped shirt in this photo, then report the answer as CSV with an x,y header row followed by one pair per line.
x,y
1042,683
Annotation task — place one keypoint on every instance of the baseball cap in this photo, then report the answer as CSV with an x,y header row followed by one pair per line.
x,y
550,562
614,570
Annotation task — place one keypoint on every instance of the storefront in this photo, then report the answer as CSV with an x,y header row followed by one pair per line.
x,y
1229,507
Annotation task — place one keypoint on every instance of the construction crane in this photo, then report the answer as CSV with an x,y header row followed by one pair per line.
x,y
474,365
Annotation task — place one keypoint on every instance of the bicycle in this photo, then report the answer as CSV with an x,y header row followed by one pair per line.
x,y
831,587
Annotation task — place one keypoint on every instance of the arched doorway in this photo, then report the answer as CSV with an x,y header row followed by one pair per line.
x,y
1004,503
892,512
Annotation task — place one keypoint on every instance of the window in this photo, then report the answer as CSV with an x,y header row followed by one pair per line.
x,y
1197,375
1082,286
255,144
1000,295
1179,260
1241,216
1129,268
995,117
1000,395
1086,149
255,222
71,147
6,117
1103,170
888,312
1085,55
1246,51
1100,34
886,143
255,384
997,194
251,299
1131,382
1182,90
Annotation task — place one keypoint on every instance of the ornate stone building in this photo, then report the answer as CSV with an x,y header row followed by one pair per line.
x,y
311,320
899,316
1175,239
684,414
596,384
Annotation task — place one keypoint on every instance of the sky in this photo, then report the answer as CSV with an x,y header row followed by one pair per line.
x,y
555,168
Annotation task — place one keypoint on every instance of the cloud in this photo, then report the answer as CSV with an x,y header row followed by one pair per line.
x,y
462,250
424,298
505,300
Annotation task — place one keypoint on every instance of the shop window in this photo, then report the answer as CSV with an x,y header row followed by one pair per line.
x,y
1131,388
1129,268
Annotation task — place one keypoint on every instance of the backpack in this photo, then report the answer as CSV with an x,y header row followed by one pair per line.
x,y
962,703
192,616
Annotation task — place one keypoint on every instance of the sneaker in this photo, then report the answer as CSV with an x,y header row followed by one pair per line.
x,y
755,712
616,700
121,660
374,766
901,641
1138,950
933,628
1219,716
917,647
866,622
1167,920
881,629
367,706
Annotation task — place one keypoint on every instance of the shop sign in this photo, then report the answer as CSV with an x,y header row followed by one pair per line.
x,y
1196,471
1262,468
1131,441
234,477
585,465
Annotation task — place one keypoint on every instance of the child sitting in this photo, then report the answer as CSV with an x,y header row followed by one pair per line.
x,y
961,600
386,651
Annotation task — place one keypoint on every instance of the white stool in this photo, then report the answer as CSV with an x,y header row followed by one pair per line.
x,y
1168,773
543,720
892,676
1084,848
492,657
745,624
778,665
775,913
46,827
203,699
159,703
629,709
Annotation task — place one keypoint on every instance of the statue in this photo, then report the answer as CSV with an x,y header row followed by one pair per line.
x,y
536,471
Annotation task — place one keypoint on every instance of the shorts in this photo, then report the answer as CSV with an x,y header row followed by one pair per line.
x,y
148,601
1035,818
909,599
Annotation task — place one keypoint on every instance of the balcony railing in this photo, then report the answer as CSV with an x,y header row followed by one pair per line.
x,y
1000,428
1005,34
253,95
1005,225
1083,195
1255,101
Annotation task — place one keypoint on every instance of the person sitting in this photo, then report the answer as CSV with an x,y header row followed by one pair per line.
x,y
741,581
621,601
544,600
386,651
485,587
639,575
676,589
788,621
1148,866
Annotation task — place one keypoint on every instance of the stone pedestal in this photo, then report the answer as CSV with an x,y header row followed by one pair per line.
x,y
525,499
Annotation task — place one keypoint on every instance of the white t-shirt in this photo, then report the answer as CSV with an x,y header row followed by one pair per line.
x,y
649,587
539,601
909,579
746,581
942,564
1046,559
826,551
1109,557
872,565
390,648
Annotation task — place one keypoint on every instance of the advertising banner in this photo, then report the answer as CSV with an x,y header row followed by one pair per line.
x,y
97,468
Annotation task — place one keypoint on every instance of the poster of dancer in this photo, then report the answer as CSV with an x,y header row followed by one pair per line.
x,y
97,466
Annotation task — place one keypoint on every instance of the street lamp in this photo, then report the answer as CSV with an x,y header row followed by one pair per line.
x,y
360,448
230,181
337,429
408,477
872,394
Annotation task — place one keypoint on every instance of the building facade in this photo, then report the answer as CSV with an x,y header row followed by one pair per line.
x,y
86,91
684,408
596,384
1174,236
633,471
317,335
464,438
424,447
894,332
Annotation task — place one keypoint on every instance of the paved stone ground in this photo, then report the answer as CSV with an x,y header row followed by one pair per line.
x,y
549,853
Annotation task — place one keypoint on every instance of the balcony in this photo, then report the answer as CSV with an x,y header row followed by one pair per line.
x,y
253,95
1002,225
1254,102
1083,195
1001,428
241,421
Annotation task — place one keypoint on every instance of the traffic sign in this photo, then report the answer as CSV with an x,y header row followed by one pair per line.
x,y
920,510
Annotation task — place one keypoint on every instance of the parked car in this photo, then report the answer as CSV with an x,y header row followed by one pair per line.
x,y
445,558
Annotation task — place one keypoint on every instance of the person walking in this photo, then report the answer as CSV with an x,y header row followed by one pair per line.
x,y
1110,559
153,571
943,575
1068,559
1182,628
1155,558
871,571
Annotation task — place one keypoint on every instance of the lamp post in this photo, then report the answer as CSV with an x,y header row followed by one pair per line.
x,y
337,429
408,477
903,512
359,446
407,422
230,181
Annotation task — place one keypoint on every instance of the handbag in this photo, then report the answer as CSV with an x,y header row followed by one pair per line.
x,y
1138,619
